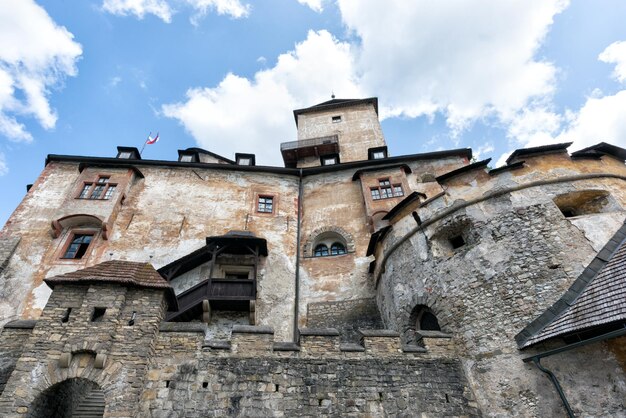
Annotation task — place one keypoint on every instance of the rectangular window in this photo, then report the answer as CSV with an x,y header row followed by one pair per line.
x,y
78,246
336,119
378,155
85,192
101,189
385,190
265,204
186,158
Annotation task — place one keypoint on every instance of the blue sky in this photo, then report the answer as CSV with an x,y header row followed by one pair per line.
x,y
225,74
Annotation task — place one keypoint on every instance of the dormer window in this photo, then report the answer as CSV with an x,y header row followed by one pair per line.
x,y
128,153
377,153
331,159
336,119
245,159
186,158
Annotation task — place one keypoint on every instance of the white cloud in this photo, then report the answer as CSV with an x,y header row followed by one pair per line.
x,y
35,55
232,8
616,54
3,165
255,115
164,9
139,8
315,5
465,59
599,119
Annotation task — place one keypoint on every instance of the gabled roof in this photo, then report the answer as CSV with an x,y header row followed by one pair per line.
x,y
544,149
465,169
602,149
597,297
335,103
127,273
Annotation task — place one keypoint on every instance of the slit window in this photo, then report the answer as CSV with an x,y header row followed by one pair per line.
x,y
336,119
66,315
78,246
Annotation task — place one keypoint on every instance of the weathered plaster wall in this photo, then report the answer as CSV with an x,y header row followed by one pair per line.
x,y
334,200
164,216
358,130
521,254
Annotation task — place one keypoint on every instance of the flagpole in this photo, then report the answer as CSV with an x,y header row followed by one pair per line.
x,y
144,144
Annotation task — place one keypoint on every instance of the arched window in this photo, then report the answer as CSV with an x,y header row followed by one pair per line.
x,y
321,250
329,241
337,248
427,321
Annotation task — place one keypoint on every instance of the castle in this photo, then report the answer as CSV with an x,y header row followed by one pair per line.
x,y
347,283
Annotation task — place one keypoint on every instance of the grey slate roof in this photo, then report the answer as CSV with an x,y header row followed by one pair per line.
x,y
597,297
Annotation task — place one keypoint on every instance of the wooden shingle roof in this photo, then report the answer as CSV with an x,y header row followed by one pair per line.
x,y
129,273
597,297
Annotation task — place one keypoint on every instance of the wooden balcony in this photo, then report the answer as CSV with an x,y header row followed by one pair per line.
x,y
190,301
314,147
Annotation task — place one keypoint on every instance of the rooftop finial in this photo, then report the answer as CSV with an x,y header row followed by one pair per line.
x,y
332,94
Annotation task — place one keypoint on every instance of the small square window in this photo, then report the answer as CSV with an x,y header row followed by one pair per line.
x,y
336,119
98,314
378,155
244,161
78,246
125,155
457,242
265,204
186,158
385,190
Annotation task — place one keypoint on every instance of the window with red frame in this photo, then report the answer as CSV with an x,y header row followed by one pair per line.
x,y
102,189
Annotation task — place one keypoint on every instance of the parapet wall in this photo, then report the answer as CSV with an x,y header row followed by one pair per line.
x,y
252,375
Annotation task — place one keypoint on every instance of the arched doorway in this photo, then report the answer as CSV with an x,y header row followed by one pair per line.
x,y
75,397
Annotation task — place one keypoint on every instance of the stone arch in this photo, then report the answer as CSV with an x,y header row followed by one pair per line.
x,y
79,220
421,303
67,398
340,234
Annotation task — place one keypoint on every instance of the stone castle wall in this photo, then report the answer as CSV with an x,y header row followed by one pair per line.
x,y
520,255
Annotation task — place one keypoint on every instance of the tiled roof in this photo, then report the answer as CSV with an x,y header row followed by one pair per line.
x,y
597,297
128,273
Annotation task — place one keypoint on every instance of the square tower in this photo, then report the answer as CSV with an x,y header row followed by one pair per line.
x,y
339,130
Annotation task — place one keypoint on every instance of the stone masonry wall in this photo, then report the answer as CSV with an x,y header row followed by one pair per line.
x,y
251,376
109,352
12,341
520,255
348,316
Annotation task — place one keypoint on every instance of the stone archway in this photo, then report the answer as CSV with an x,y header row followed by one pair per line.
x,y
74,397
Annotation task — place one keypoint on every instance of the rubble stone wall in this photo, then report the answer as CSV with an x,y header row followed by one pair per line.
x,y
520,254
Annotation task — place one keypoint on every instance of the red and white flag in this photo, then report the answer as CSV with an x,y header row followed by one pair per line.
x,y
151,140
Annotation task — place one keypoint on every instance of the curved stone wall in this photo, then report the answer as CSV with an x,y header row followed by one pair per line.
x,y
518,254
